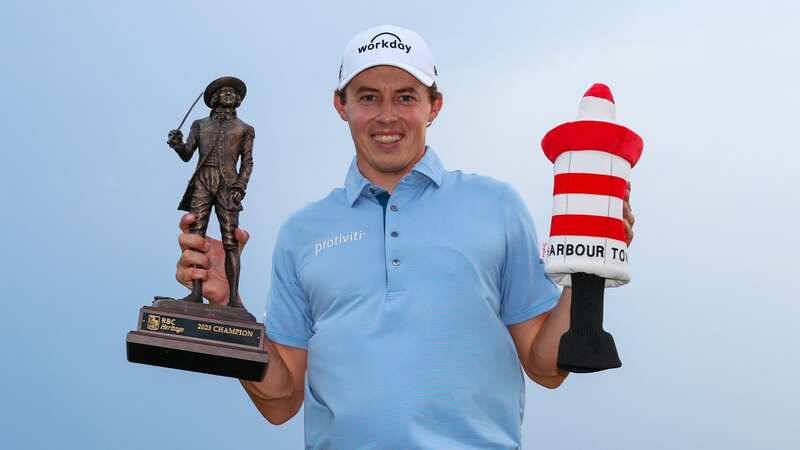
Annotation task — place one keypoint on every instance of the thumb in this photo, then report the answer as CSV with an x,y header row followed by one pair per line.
x,y
242,237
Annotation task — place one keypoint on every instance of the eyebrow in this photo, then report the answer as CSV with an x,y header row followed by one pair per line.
x,y
402,90
365,89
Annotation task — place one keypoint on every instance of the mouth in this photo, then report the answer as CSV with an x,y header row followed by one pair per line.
x,y
387,138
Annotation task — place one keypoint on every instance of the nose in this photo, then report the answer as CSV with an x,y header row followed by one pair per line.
x,y
387,113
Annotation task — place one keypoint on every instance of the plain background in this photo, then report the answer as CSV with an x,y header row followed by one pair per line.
x,y
706,330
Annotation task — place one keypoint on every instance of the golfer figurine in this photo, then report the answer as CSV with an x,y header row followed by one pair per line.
x,y
223,140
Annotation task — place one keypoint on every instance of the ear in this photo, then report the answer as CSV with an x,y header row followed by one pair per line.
x,y
436,106
337,103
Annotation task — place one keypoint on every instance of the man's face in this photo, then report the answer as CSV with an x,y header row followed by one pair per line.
x,y
388,111
227,97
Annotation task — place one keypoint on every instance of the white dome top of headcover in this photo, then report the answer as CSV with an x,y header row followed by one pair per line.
x,y
598,104
388,45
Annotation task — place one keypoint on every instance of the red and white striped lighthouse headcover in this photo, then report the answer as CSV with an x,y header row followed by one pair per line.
x,y
592,159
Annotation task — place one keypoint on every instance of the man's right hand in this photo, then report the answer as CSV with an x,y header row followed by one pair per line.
x,y
175,138
279,395
204,259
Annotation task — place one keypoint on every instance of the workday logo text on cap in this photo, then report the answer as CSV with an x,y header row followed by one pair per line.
x,y
388,45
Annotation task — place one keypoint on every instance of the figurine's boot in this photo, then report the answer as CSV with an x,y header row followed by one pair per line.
x,y
232,268
586,346
197,292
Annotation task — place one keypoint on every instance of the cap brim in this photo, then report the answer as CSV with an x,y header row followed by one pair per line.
x,y
416,73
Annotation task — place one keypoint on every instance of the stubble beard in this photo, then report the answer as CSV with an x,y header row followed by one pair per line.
x,y
390,164
387,166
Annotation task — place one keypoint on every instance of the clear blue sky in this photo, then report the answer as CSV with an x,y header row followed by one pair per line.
x,y
706,330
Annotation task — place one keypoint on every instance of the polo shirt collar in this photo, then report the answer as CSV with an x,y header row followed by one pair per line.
x,y
430,166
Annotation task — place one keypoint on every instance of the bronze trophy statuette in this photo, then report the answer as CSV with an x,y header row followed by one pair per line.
x,y
186,333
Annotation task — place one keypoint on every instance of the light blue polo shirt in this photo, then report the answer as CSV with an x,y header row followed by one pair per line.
x,y
406,326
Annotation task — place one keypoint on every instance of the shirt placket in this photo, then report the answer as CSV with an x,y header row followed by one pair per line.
x,y
394,217
394,251
397,214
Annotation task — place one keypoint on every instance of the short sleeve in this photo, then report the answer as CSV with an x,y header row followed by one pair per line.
x,y
288,315
526,289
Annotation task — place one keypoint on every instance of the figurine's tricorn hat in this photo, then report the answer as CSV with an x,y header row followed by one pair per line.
x,y
237,85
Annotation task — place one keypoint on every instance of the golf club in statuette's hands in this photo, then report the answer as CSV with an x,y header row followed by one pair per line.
x,y
587,250
187,333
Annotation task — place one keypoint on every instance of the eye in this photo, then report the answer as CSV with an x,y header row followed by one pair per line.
x,y
368,98
407,98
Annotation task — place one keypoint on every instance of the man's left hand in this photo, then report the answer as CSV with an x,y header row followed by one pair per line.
x,y
237,195
627,214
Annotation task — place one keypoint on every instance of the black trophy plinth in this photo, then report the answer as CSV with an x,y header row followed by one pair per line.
x,y
217,340
586,347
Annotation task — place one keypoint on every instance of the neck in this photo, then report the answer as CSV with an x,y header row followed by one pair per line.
x,y
387,180
223,110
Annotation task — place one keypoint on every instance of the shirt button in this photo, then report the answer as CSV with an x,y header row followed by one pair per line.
x,y
394,233
395,262
393,207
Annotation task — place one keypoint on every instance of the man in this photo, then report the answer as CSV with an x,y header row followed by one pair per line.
x,y
222,139
409,299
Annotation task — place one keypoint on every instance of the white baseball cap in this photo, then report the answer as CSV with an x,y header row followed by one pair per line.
x,y
388,45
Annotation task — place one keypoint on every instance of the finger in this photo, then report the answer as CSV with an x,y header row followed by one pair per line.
x,y
242,236
212,242
627,213
186,220
193,242
185,275
629,232
192,257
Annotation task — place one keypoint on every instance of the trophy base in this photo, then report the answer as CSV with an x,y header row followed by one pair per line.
x,y
217,340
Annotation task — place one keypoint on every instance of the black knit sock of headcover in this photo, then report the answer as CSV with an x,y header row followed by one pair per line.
x,y
586,347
